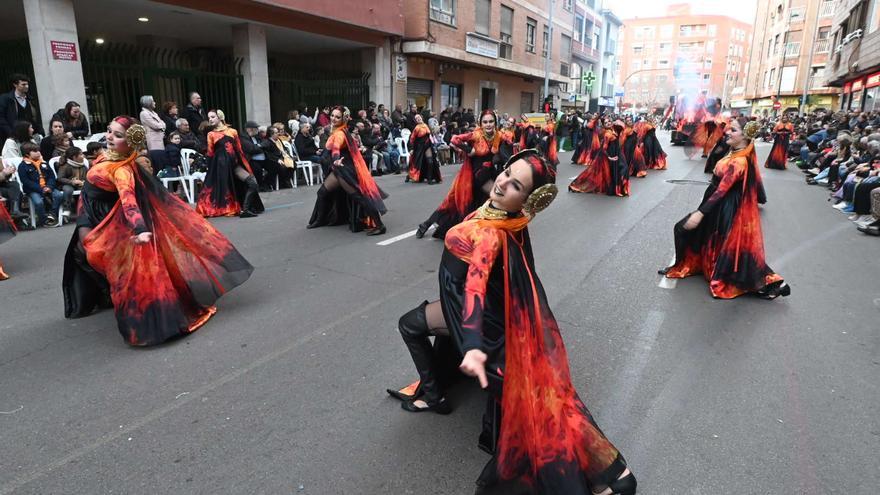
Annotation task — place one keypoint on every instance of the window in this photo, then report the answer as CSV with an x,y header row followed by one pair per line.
x,y
450,95
666,30
646,64
526,102
787,78
663,64
564,69
637,49
595,41
707,64
578,27
506,48
873,21
792,49
546,41
817,74
796,14
566,47
566,4
773,76
483,16
636,64
822,41
776,45
706,78
443,11
713,29
692,30
665,47
531,29
827,9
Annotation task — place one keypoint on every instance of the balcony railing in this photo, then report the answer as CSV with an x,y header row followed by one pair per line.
x,y
827,9
610,48
822,46
583,51
792,49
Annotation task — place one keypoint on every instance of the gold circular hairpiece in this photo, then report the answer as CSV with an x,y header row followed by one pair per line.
x,y
751,129
136,136
540,199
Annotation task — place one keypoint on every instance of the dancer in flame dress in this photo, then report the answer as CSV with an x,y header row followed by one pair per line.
x,y
143,251
349,194
230,186
723,238
778,156
470,188
608,173
494,318
423,163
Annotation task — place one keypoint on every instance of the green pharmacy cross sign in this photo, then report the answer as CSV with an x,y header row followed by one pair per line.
x,y
588,78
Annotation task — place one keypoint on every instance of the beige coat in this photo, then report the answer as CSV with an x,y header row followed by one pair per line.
x,y
155,129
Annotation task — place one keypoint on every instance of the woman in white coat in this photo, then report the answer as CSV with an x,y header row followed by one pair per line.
x,y
155,127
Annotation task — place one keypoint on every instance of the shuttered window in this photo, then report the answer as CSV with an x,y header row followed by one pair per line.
x,y
483,16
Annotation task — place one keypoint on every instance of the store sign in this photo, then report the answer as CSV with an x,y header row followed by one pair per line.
x,y
480,45
847,88
873,80
400,68
858,85
739,104
63,50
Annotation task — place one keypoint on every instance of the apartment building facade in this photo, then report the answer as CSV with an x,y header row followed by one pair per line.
x,y
483,54
854,64
791,50
682,54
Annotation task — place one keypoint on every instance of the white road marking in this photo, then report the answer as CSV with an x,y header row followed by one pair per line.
x,y
668,283
397,238
573,178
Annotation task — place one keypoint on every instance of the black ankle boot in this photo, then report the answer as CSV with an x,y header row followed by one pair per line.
x,y
413,327
319,214
250,198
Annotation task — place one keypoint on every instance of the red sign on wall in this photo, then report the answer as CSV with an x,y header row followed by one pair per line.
x,y
847,88
63,50
873,80
857,85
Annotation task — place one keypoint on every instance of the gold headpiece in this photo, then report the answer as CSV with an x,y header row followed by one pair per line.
x,y
750,131
136,137
540,199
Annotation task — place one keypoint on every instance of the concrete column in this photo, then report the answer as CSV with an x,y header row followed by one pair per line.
x,y
249,43
377,61
58,80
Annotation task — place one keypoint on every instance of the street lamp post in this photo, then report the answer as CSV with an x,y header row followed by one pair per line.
x,y
809,75
549,52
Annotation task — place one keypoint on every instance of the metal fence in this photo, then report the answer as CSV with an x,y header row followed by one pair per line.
x,y
117,75
291,89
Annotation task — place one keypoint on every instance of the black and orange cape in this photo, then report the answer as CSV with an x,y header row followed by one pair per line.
x,y
223,194
361,210
652,151
605,176
423,163
161,289
728,245
478,167
589,146
547,145
543,438
779,153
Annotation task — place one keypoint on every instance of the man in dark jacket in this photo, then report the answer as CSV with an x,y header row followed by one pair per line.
x,y
16,105
306,148
189,139
250,145
411,117
194,113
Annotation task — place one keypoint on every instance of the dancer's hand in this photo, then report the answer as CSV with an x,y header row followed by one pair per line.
x,y
474,364
693,220
142,238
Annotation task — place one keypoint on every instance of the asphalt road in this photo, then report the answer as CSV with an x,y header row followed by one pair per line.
x,y
283,391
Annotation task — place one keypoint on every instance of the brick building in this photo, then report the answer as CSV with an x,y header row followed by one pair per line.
x,y
681,53
482,53
787,34
854,63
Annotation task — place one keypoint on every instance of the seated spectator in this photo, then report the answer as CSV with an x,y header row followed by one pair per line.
x,y
38,182
10,191
94,152
75,122
444,152
250,145
873,228
60,144
280,166
56,128
169,115
306,147
189,139
172,157
71,175
22,133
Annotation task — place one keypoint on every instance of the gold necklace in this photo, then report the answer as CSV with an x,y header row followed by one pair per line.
x,y
489,212
115,156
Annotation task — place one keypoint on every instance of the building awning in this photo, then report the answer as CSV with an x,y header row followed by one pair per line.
x,y
426,48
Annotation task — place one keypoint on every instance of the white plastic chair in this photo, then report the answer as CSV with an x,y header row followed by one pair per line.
x,y
405,134
188,176
182,178
308,167
403,148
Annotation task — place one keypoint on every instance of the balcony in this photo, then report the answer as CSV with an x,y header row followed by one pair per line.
x,y
822,46
827,9
584,52
611,47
